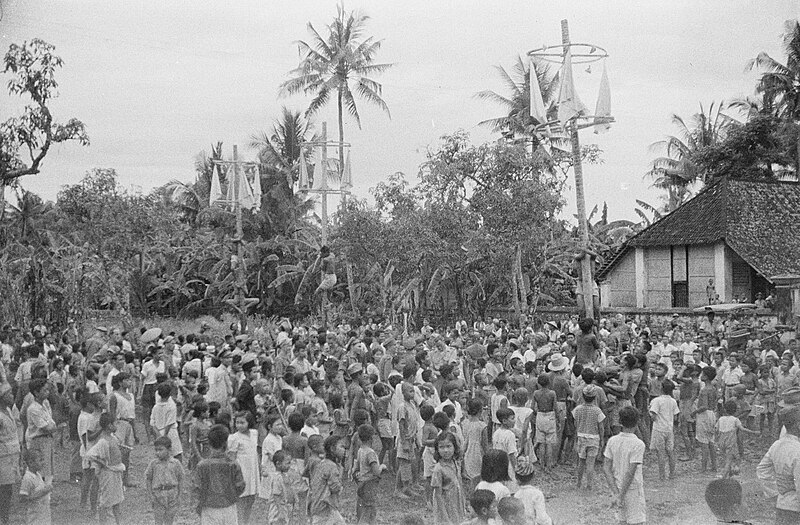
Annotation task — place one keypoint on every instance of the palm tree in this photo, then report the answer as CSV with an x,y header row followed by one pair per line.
x,y
280,151
518,120
676,171
340,64
26,214
780,83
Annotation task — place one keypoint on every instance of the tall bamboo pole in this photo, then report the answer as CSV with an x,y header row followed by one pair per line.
x,y
238,241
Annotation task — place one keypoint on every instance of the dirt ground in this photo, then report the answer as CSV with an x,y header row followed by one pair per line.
x,y
677,501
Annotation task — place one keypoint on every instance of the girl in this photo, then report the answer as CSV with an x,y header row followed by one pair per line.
x,y
764,405
272,443
106,458
448,493
243,448
198,434
341,423
476,443
326,485
384,395
494,474
35,489
429,433
706,419
727,433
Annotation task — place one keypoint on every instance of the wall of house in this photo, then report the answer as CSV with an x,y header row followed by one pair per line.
x,y
658,277
621,283
701,269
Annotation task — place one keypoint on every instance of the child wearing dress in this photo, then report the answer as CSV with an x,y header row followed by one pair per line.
x,y
273,442
106,458
706,419
764,405
164,479
243,448
164,418
448,493
727,436
35,489
476,443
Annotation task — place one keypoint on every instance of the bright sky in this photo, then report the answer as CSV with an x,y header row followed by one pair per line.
x,y
157,82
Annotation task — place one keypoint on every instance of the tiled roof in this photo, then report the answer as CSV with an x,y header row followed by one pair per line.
x,y
759,220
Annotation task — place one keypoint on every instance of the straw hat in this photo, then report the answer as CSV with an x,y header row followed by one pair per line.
x,y
558,362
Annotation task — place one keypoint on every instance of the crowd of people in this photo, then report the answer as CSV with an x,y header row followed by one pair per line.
x,y
467,420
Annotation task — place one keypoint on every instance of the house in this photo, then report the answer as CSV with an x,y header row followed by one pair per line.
x,y
737,235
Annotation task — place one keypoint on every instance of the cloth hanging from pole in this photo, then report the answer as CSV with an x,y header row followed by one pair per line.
x,y
320,173
603,104
537,109
232,191
216,188
303,174
347,176
256,186
569,105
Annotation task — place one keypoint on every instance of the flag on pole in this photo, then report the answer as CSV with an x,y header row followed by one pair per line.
x,y
569,105
347,176
537,102
603,104
320,173
256,186
216,188
232,192
303,174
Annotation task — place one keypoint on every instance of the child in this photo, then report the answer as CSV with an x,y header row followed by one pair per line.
x,y
663,410
494,474
326,485
198,434
496,402
544,405
522,420
476,443
88,432
727,433
384,396
273,442
217,481
689,379
448,493
277,490
505,440
531,497
511,511
724,498
484,505
764,405
341,423
243,448
623,469
310,423
429,433
35,489
367,474
706,418
164,479
106,457
589,425
164,418
407,444
295,445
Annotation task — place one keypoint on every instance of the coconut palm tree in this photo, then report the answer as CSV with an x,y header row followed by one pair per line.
x,y
676,171
339,64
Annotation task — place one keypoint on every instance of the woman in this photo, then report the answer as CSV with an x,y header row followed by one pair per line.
x,y
10,437
41,426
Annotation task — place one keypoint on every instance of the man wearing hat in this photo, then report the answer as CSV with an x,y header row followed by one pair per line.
x,y
779,469
246,395
356,396
560,384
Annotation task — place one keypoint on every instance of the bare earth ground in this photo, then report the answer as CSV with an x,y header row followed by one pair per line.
x,y
678,501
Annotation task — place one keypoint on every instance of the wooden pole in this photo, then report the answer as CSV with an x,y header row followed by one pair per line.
x,y
586,262
238,241
324,183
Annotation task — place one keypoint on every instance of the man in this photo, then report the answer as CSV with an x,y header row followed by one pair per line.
x,y
96,342
71,336
245,395
117,365
779,469
328,261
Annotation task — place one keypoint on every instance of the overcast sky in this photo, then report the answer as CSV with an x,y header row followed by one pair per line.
x,y
155,82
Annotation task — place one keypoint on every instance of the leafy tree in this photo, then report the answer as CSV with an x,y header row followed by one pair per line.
x,y
342,62
32,68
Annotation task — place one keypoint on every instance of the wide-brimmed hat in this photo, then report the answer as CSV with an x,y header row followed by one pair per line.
x,y
558,362
790,397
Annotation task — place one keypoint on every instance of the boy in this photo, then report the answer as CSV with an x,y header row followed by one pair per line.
x,y
663,411
367,475
505,440
35,489
689,377
310,423
218,481
163,478
531,496
623,469
407,441
511,511
589,425
484,506
544,405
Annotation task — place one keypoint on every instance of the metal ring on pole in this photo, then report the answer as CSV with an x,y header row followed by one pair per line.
x,y
590,120
586,53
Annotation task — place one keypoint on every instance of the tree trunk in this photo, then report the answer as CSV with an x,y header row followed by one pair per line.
x,y
341,135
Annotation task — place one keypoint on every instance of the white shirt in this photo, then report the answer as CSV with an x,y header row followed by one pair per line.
x,y
665,408
149,371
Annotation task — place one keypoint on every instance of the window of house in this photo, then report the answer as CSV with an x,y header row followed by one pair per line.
x,y
680,276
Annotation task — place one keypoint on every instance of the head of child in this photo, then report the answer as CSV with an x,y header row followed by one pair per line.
x,y
660,370
107,423
474,407
512,511
310,415
441,421
426,413
544,381
524,471
334,448
451,390
500,383
360,417
520,397
296,422
282,460
34,459
730,407
628,418
164,391
244,421
316,444
274,425
708,374
163,448
589,394
335,400
483,504
739,391
724,498
494,466
445,448
408,391
365,434
506,417
218,437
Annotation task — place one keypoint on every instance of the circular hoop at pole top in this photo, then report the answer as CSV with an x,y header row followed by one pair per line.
x,y
581,53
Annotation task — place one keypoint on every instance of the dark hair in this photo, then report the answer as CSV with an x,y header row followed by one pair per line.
x,y
199,407
296,422
586,324
450,410
441,420
248,416
426,412
218,437
628,417
504,413
381,389
365,433
474,406
709,373
543,380
494,466
330,445
335,400
409,371
279,456
481,500
395,380
587,375
287,396
446,436
162,441
667,387
630,360
164,390
106,420
117,380
722,495
730,407
500,383
36,385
